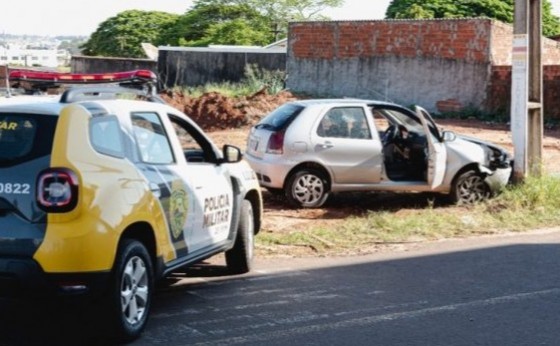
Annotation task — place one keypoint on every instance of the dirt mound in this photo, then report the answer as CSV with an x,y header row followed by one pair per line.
x,y
213,111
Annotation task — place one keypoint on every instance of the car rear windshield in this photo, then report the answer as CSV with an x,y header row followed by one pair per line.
x,y
280,118
24,137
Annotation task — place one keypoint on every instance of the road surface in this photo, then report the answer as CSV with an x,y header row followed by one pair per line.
x,y
500,290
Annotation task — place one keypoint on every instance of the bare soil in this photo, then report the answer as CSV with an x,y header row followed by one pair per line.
x,y
229,120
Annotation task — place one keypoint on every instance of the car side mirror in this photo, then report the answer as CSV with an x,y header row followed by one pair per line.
x,y
232,154
449,136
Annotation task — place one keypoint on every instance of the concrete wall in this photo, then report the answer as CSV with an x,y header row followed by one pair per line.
x,y
392,79
199,66
409,62
442,65
90,64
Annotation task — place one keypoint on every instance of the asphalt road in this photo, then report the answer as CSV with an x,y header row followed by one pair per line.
x,y
485,291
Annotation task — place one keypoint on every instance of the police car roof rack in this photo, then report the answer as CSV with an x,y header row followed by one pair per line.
x,y
76,94
34,81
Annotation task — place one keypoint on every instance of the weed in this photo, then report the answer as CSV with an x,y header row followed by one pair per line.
x,y
533,204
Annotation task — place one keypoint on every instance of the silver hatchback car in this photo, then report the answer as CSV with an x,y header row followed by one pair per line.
x,y
309,149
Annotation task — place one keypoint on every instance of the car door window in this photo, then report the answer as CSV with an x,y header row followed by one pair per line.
x,y
344,122
195,146
151,138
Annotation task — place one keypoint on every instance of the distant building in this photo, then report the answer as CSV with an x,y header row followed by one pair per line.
x,y
13,55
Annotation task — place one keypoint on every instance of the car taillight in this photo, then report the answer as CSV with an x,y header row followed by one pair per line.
x,y
276,143
57,190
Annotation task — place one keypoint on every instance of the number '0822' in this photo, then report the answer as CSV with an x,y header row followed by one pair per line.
x,y
15,189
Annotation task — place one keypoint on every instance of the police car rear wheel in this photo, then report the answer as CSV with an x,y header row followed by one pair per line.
x,y
240,257
132,290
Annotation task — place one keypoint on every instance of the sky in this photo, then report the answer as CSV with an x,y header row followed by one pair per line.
x,y
75,17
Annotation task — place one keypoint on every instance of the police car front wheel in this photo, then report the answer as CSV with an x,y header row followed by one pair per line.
x,y
239,259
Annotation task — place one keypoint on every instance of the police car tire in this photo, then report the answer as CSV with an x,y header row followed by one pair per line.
x,y
129,250
239,259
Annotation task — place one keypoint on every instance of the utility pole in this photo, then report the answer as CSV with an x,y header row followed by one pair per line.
x,y
526,89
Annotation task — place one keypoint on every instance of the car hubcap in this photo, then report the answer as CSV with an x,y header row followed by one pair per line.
x,y
473,189
134,290
308,189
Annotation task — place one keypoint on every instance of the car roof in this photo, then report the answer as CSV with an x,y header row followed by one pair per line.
x,y
31,104
53,104
343,101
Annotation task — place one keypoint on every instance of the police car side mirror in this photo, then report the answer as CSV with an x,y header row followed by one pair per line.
x,y
231,154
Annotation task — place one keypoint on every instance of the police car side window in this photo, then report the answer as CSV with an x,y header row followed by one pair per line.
x,y
151,138
195,147
105,136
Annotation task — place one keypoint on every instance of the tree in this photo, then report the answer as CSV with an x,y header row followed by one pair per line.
x,y
280,12
219,22
256,22
72,44
502,10
123,34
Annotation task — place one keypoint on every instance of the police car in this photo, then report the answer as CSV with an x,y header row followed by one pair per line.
x,y
104,193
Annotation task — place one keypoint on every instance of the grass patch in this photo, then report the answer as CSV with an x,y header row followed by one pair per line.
x,y
533,204
255,79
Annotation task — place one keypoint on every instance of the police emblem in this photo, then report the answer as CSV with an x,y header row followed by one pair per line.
x,y
179,204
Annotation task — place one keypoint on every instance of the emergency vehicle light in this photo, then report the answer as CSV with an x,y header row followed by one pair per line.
x,y
81,78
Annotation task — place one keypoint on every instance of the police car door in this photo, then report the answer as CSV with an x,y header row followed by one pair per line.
x,y
195,200
437,154
212,192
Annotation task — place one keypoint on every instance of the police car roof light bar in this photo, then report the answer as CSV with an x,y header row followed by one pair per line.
x,y
33,80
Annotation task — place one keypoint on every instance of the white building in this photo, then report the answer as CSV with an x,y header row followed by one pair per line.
x,y
28,57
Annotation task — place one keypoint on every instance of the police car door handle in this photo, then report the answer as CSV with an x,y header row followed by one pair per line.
x,y
327,145
155,190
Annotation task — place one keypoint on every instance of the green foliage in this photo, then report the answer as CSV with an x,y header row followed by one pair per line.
x,y
72,44
255,79
219,22
246,22
502,10
280,12
531,205
122,35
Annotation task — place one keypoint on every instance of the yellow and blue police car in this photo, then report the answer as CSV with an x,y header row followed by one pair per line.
x,y
104,194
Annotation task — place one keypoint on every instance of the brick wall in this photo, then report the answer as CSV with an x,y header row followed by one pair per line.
x,y
463,39
440,64
502,41
406,61
499,93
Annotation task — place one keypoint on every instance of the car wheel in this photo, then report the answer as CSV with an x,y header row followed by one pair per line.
x,y
307,188
470,188
131,292
240,258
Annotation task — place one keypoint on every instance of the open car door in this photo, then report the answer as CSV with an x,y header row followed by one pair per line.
x,y
437,153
